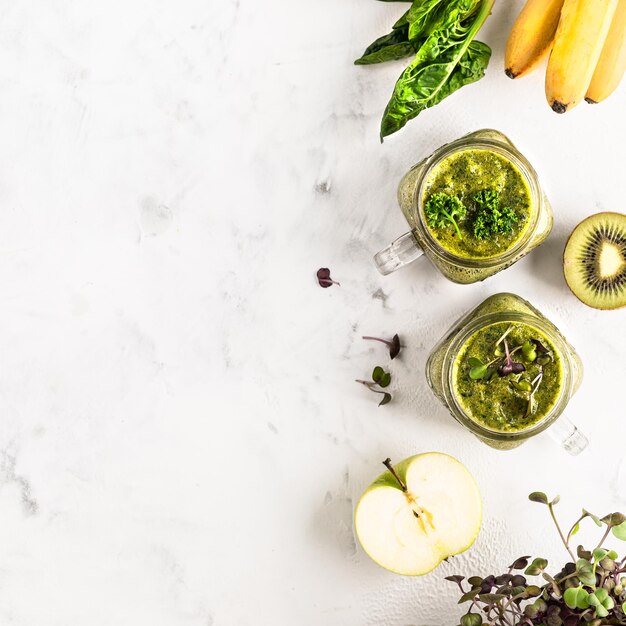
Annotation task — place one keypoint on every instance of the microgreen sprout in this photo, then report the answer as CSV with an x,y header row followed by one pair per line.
x,y
529,352
589,590
480,370
380,380
324,279
509,366
544,355
393,345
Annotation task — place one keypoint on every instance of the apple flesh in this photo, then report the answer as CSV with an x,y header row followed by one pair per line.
x,y
428,509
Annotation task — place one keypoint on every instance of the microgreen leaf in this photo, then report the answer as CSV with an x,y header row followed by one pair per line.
x,y
491,597
522,562
393,344
529,352
599,554
469,595
471,619
595,518
576,597
620,531
536,567
538,496
614,519
474,362
585,572
455,578
478,372
324,279
381,377
386,399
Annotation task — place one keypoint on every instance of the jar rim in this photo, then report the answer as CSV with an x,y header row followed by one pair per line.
x,y
508,151
482,321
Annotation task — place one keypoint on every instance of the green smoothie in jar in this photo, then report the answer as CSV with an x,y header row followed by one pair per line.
x,y
506,373
477,204
474,207
507,376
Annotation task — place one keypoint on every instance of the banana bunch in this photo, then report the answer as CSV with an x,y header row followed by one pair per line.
x,y
586,44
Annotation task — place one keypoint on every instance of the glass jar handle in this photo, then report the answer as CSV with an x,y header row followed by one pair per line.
x,y
568,436
401,252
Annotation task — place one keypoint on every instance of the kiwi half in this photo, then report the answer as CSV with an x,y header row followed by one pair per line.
x,y
594,261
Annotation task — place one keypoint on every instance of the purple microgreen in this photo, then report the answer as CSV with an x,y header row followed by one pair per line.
x,y
510,366
588,590
324,279
386,399
393,345
372,387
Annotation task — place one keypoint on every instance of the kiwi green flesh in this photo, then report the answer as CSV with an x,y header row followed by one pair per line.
x,y
595,261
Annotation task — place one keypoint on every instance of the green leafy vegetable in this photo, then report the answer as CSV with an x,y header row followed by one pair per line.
x,y
490,219
441,34
443,210
426,15
391,47
447,60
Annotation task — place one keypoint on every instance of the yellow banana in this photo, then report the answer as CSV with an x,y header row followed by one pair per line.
x,y
612,63
581,34
531,37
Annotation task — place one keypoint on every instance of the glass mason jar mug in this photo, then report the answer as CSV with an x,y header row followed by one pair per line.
x,y
420,239
445,376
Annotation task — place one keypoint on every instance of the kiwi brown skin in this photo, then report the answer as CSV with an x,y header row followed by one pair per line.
x,y
593,306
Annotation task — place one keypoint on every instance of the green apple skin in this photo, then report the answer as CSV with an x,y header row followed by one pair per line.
x,y
448,504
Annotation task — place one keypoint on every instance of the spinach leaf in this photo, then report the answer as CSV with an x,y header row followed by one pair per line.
x,y
395,45
425,13
446,61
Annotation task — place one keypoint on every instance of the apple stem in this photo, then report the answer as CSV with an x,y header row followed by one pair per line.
x,y
390,467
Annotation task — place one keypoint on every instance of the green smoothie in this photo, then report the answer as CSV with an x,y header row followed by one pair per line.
x,y
507,376
493,198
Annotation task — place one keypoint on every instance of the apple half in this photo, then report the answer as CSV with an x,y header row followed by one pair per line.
x,y
419,513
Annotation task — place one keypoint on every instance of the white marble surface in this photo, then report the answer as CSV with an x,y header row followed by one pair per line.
x,y
182,442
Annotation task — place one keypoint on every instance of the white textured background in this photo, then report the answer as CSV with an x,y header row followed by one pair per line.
x,y
181,442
